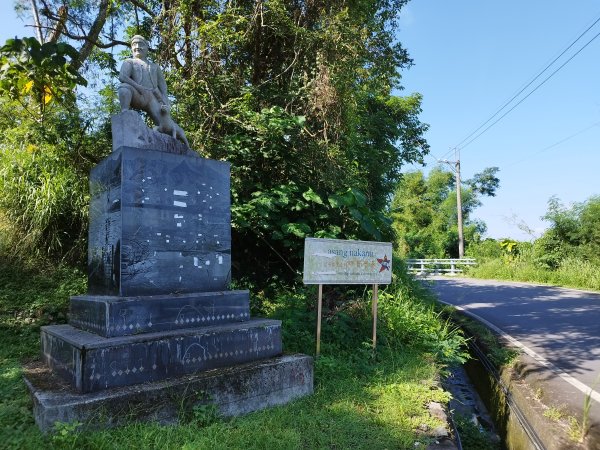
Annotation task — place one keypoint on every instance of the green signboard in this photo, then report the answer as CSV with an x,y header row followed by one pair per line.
x,y
335,261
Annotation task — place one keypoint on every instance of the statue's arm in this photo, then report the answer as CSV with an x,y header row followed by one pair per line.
x,y
162,86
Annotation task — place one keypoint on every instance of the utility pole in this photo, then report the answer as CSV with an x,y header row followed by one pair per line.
x,y
461,240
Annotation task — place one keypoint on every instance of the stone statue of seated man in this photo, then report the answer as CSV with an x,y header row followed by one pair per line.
x,y
143,87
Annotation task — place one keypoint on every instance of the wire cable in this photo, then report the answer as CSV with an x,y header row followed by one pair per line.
x,y
498,111
531,92
589,127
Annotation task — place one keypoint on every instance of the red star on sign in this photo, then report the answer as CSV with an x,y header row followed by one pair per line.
x,y
385,263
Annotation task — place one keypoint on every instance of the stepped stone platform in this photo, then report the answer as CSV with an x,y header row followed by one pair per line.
x,y
234,391
158,310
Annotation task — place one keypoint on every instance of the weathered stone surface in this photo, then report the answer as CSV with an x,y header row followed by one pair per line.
x,y
111,316
91,363
129,130
234,390
159,224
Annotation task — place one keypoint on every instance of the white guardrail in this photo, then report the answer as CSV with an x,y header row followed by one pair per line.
x,y
438,266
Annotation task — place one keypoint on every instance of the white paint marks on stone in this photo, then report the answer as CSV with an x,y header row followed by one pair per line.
x,y
178,224
158,234
181,266
180,279
167,241
165,189
196,262
220,258
116,201
207,263
149,178
180,204
178,216
146,198
180,193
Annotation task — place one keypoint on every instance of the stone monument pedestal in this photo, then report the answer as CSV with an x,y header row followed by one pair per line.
x,y
158,309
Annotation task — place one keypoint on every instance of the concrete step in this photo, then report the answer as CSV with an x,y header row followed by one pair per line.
x,y
111,316
90,363
233,391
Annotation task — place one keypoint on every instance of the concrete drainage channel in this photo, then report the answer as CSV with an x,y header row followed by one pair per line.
x,y
493,408
504,408
468,414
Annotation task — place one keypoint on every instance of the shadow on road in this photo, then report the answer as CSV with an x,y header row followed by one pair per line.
x,y
562,325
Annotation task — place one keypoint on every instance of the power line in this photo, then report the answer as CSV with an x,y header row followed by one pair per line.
x,y
530,83
556,143
531,92
500,109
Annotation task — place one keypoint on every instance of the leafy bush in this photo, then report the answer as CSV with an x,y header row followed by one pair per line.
x,y
486,249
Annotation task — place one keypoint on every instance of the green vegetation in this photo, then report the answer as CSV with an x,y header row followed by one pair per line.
x,y
566,255
497,352
362,399
473,437
297,97
425,216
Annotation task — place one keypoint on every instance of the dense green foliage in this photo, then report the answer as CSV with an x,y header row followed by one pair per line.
x,y
424,212
297,96
567,254
362,398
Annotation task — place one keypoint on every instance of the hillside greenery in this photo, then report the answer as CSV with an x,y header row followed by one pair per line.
x,y
567,254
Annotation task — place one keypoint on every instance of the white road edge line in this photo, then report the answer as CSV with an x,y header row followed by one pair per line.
x,y
543,361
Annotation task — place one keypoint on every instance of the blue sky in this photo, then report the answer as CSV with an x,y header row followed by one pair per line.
x,y
470,57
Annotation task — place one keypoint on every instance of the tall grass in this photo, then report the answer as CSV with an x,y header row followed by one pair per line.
x,y
571,272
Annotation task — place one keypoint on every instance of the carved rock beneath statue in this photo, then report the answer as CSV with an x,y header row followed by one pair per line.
x,y
129,130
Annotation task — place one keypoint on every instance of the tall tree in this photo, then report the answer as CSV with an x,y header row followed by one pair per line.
x,y
295,94
424,211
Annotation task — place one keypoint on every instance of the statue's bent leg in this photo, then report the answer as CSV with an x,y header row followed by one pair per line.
x,y
125,93
153,111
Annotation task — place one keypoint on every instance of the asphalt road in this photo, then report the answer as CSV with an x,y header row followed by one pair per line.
x,y
559,325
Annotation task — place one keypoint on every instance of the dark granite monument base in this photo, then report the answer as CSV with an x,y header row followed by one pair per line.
x,y
233,390
111,316
91,363
160,223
